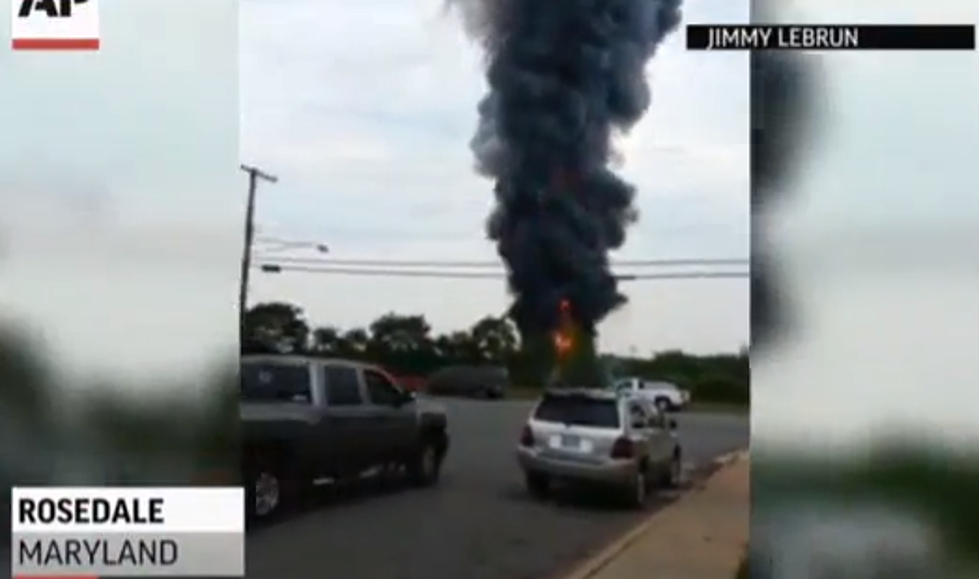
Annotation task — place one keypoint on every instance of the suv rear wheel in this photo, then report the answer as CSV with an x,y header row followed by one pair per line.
x,y
637,491
674,475
538,485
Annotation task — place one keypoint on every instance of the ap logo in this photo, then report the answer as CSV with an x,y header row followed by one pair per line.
x,y
54,25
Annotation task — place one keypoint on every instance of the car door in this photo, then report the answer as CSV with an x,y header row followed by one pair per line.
x,y
286,390
392,414
350,445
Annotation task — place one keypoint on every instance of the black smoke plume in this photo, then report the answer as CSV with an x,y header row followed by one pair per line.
x,y
565,76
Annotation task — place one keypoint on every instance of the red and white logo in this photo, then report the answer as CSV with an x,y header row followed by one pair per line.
x,y
54,25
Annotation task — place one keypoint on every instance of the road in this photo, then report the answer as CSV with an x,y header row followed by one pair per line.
x,y
478,523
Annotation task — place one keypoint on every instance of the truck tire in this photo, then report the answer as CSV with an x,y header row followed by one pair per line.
x,y
663,404
270,487
425,465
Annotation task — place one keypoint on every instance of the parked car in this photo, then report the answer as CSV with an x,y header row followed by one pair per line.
x,y
667,397
616,440
489,382
307,418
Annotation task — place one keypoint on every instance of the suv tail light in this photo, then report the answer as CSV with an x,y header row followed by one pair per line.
x,y
527,436
623,448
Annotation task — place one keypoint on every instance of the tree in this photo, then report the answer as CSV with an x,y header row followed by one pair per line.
x,y
394,333
328,340
405,344
494,339
354,342
277,327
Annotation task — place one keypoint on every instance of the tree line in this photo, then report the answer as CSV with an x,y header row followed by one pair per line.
x,y
406,345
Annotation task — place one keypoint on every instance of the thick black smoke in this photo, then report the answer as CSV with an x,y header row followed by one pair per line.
x,y
565,77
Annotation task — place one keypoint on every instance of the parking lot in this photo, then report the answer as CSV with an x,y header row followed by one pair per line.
x,y
478,523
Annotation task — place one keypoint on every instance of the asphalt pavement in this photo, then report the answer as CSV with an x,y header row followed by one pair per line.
x,y
478,523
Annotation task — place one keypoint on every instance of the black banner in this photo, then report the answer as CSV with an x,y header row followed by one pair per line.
x,y
830,37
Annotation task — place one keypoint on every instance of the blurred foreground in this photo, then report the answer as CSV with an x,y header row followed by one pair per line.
x,y
94,434
903,512
863,421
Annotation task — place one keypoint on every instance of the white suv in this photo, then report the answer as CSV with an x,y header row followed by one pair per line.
x,y
599,437
667,397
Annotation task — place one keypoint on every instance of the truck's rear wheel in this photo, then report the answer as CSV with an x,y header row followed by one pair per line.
x,y
269,488
266,493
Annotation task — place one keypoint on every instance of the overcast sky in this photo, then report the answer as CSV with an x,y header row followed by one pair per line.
x,y
120,231
880,246
365,110
123,203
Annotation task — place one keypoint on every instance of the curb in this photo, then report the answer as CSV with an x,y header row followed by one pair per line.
x,y
610,552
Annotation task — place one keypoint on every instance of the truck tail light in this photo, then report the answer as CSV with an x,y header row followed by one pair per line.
x,y
623,448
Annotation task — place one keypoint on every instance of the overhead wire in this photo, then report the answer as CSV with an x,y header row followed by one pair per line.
x,y
453,264
435,274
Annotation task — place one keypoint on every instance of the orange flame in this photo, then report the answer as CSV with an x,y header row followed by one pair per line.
x,y
562,343
564,336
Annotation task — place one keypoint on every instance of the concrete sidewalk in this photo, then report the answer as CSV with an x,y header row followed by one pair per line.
x,y
701,536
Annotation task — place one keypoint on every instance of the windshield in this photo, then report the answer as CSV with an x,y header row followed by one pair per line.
x,y
579,411
272,382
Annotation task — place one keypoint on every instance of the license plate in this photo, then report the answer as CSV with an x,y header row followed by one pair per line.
x,y
571,441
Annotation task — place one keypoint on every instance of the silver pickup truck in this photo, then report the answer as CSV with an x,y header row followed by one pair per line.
x,y
305,419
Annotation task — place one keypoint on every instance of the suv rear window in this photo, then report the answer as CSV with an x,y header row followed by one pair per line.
x,y
271,382
578,411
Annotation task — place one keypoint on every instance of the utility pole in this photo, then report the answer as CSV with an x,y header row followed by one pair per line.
x,y
254,174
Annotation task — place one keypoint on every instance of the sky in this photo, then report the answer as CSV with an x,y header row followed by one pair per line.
x,y
878,247
365,112
123,202
120,232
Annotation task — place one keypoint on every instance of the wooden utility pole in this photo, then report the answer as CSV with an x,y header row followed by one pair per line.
x,y
254,174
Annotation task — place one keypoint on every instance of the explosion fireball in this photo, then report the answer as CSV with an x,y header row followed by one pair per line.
x,y
565,76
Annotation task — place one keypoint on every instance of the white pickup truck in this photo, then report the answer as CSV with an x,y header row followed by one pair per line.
x,y
665,395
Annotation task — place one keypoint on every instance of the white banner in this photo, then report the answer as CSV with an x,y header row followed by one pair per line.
x,y
128,531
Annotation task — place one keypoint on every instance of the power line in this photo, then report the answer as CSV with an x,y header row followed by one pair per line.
x,y
394,263
434,274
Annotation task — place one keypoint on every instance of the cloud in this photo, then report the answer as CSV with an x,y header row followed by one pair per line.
x,y
121,195
378,101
